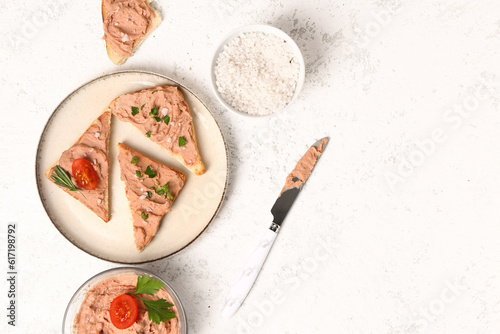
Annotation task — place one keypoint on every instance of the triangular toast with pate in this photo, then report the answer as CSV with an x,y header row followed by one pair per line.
x,y
92,147
151,189
127,24
162,114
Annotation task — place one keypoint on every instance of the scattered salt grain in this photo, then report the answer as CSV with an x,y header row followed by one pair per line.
x,y
143,196
257,73
99,201
125,38
91,150
97,134
164,112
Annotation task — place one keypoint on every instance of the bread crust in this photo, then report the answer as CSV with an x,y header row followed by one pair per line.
x,y
166,208
154,23
48,172
198,167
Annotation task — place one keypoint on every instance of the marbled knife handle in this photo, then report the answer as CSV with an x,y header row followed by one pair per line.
x,y
240,289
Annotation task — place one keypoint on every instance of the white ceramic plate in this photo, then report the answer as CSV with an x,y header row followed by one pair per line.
x,y
192,211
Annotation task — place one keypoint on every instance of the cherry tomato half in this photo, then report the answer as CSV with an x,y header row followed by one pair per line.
x,y
84,174
123,311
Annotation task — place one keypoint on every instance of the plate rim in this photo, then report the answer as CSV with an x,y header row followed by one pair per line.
x,y
37,167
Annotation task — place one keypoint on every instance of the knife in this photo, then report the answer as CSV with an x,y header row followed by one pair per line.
x,y
294,183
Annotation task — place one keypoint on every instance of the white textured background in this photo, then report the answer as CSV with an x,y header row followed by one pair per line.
x,y
396,232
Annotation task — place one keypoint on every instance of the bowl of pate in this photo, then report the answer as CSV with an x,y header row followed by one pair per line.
x,y
89,309
257,70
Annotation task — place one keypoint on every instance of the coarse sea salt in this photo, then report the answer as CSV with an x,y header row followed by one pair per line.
x,y
257,73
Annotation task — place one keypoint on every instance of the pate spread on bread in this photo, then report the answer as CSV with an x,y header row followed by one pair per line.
x,y
162,114
151,188
93,147
127,23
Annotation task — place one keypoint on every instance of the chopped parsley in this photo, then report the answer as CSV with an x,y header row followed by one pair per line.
x,y
144,216
156,118
182,141
150,194
166,119
138,173
142,107
148,134
135,111
134,160
154,111
164,191
149,172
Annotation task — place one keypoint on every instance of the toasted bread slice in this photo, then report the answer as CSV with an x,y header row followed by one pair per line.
x,y
151,189
162,114
126,28
92,146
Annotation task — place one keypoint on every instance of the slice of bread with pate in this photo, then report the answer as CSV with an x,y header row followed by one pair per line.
x,y
162,115
127,24
93,147
151,188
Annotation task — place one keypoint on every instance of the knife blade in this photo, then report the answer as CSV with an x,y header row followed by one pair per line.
x,y
293,185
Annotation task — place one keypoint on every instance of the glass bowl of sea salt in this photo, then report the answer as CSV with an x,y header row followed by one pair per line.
x,y
257,70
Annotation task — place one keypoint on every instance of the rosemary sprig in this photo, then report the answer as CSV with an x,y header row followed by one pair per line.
x,y
61,178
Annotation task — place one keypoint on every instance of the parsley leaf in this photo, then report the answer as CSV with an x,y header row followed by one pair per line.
x,y
147,286
144,216
182,141
158,310
135,111
138,173
158,119
134,160
166,119
150,194
143,106
149,172
148,134
154,111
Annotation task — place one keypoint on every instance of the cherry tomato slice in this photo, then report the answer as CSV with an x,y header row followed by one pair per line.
x,y
84,174
123,311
